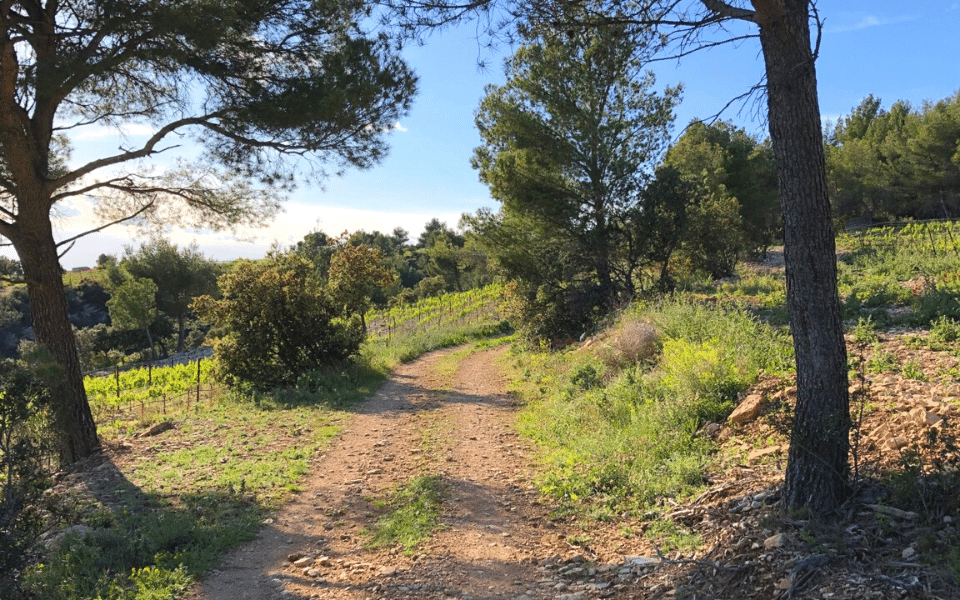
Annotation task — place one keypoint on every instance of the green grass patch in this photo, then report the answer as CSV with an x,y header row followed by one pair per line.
x,y
620,438
413,514
385,353
668,536
201,489
153,548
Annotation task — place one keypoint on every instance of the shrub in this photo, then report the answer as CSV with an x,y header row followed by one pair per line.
x,y
23,402
865,331
945,330
552,313
279,323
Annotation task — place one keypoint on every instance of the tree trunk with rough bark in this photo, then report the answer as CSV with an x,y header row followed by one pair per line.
x,y
41,268
816,476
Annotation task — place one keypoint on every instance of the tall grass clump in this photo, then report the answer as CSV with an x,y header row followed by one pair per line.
x,y
619,435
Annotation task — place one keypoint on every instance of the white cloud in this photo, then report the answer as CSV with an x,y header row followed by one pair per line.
x,y
290,226
398,127
866,23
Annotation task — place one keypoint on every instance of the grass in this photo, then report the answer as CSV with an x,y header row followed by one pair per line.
x,y
667,535
618,437
412,514
207,485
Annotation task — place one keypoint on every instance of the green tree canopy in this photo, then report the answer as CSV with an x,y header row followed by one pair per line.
x,y
735,204
897,163
568,141
133,305
179,274
270,90
356,272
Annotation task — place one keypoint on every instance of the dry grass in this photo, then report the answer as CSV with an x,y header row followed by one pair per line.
x,y
634,342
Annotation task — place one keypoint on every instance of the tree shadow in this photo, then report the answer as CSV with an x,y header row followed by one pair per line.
x,y
122,536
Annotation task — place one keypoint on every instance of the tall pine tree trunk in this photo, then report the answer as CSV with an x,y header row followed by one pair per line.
x,y
37,250
816,468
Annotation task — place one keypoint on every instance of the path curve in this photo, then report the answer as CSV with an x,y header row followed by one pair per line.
x,y
447,413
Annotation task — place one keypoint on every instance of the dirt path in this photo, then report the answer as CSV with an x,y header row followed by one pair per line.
x,y
434,416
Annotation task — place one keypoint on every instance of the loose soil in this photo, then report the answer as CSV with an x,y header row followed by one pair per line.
x,y
423,421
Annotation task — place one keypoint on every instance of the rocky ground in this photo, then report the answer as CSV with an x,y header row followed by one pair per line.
x,y
499,539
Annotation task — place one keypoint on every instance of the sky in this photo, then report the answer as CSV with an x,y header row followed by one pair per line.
x,y
894,50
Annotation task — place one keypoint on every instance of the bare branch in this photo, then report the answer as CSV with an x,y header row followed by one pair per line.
x,y
73,239
819,23
723,9
65,250
146,150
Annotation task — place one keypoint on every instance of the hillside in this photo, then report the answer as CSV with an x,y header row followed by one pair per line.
x,y
643,462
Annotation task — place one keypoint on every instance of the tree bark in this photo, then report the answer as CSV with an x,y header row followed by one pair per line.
x,y
817,464
41,268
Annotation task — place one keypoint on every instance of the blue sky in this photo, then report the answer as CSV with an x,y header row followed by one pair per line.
x,y
891,49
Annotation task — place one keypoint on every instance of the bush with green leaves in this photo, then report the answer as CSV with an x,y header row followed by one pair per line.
x,y
23,445
279,323
945,330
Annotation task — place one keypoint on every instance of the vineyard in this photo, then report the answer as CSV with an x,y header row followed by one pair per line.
x,y
472,308
150,393
145,392
922,238
912,264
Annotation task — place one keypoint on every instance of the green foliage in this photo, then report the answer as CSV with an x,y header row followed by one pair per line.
x,y
912,370
657,224
566,141
180,276
882,361
154,552
668,536
896,163
945,330
413,513
626,435
133,303
914,265
702,373
143,384
24,442
449,256
734,199
713,239
356,272
278,322
865,331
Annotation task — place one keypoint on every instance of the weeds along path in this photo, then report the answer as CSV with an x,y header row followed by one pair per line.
x,y
448,415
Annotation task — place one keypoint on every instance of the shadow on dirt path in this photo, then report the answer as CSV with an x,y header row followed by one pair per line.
x,y
445,414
